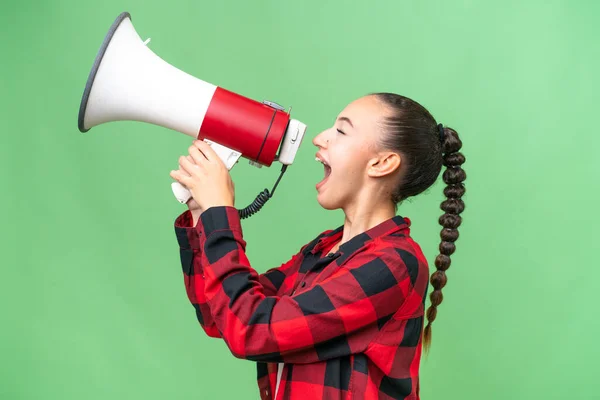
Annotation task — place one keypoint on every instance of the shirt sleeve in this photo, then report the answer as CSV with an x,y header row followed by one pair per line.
x,y
338,316
193,274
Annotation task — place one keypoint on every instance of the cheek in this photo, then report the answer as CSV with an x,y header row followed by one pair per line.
x,y
352,162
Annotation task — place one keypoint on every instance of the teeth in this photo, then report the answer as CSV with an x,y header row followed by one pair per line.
x,y
321,161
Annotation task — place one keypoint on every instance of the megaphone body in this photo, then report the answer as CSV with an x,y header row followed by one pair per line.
x,y
129,82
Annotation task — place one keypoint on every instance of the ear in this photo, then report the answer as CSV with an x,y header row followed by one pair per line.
x,y
384,164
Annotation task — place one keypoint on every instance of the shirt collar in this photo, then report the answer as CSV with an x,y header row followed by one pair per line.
x,y
385,228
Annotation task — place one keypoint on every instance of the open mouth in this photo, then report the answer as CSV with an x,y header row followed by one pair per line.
x,y
327,172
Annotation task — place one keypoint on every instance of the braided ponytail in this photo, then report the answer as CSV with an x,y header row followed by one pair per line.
x,y
426,147
454,177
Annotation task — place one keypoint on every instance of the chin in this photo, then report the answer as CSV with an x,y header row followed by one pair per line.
x,y
328,204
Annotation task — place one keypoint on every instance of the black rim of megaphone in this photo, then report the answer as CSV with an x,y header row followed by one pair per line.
x,y
97,62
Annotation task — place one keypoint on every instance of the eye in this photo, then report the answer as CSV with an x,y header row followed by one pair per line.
x,y
339,131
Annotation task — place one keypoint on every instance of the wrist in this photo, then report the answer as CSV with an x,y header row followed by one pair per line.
x,y
195,216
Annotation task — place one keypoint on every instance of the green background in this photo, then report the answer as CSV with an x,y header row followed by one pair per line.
x,y
93,303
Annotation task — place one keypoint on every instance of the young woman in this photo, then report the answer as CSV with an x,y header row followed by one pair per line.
x,y
343,319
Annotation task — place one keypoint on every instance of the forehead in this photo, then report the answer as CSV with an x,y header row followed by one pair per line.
x,y
365,113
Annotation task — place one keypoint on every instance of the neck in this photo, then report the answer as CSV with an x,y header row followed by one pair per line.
x,y
364,215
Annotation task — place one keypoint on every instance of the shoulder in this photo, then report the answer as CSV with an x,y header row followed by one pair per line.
x,y
407,249
397,257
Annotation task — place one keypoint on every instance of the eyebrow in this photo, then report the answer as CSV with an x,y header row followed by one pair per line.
x,y
346,119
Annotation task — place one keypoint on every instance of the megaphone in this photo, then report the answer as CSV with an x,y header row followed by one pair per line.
x,y
129,82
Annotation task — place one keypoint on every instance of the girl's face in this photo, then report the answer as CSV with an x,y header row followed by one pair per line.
x,y
352,157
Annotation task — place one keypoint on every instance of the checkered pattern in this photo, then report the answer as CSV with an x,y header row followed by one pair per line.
x,y
346,325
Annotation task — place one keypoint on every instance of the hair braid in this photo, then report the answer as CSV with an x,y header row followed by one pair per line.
x,y
454,177
426,147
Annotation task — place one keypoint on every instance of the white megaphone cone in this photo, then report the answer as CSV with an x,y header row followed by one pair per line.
x,y
128,82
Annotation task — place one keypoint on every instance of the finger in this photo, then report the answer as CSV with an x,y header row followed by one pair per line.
x,y
191,160
181,169
182,178
197,156
205,149
189,167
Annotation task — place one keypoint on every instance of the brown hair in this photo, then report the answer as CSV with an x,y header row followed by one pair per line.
x,y
425,147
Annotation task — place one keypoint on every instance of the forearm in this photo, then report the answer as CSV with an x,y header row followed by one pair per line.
x,y
188,231
194,287
190,254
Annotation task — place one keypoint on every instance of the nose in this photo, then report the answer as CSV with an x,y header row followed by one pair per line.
x,y
321,140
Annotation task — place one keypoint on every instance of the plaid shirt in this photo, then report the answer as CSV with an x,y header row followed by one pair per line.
x,y
347,325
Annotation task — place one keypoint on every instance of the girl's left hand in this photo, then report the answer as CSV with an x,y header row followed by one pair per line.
x,y
207,178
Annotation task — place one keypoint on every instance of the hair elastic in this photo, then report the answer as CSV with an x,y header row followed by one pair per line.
x,y
441,131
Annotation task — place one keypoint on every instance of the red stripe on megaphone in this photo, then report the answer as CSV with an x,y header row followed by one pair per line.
x,y
248,126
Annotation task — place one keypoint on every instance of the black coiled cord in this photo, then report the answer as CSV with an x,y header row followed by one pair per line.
x,y
261,199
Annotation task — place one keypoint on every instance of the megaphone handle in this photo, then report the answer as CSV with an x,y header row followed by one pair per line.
x,y
181,193
227,155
